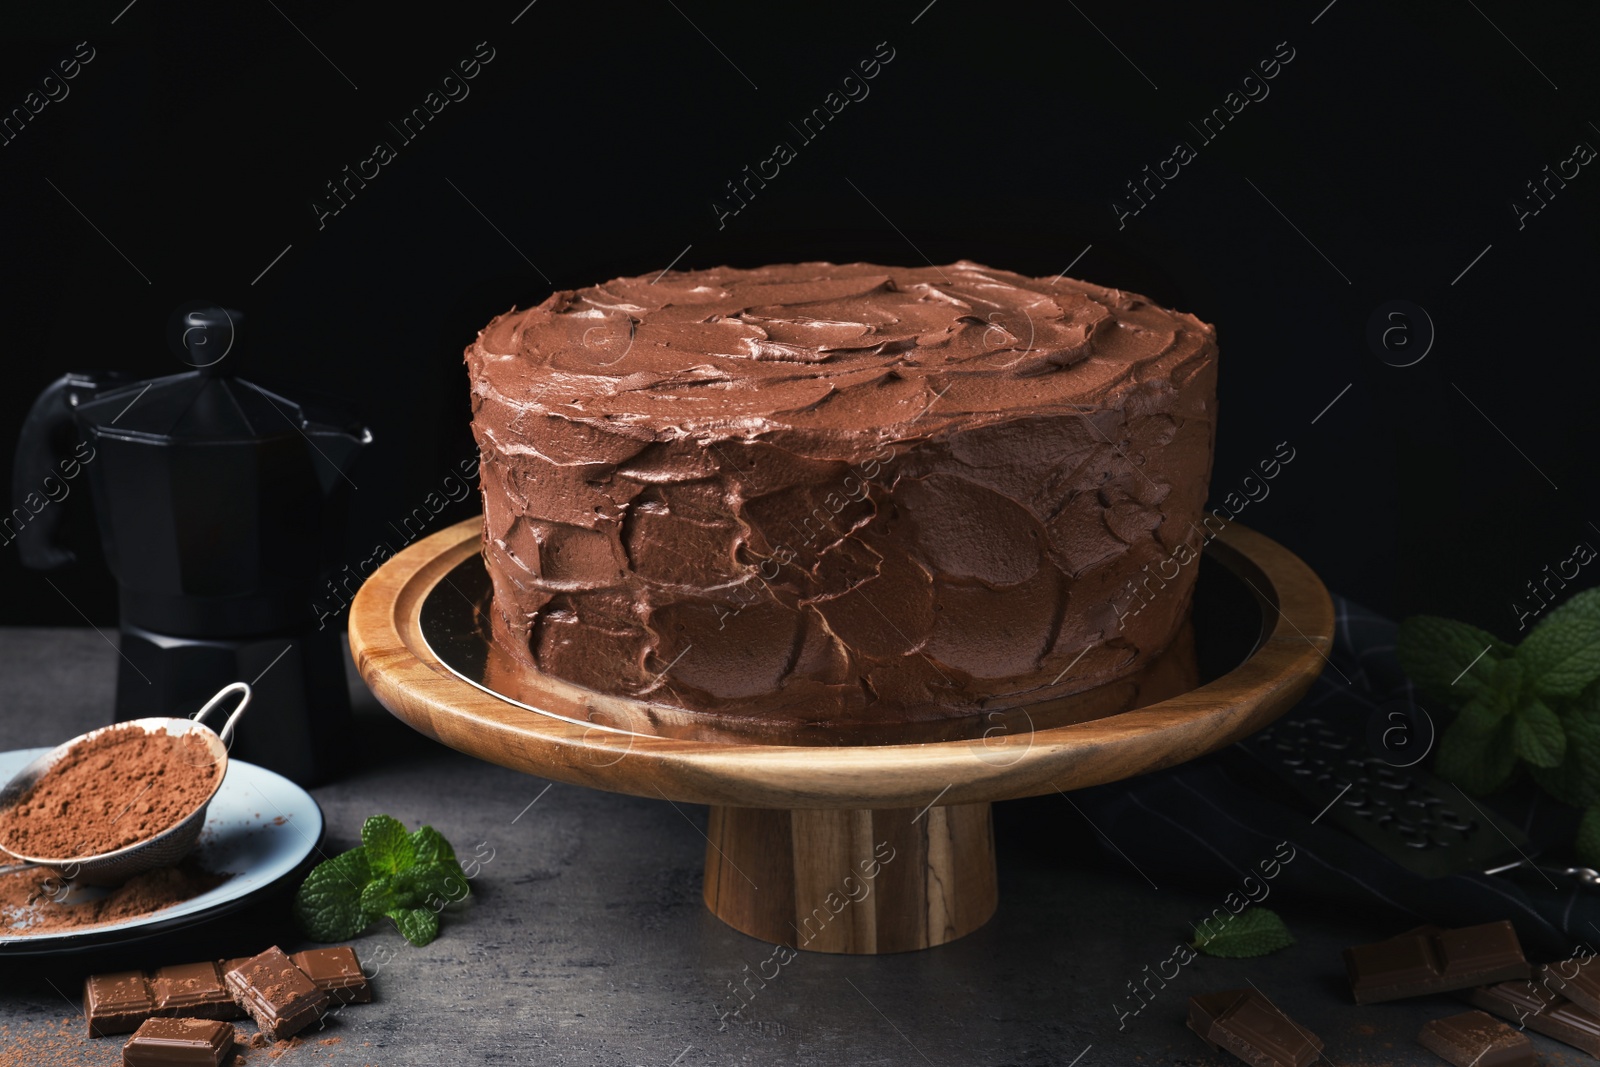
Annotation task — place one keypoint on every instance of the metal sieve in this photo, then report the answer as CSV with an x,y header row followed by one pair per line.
x,y
165,848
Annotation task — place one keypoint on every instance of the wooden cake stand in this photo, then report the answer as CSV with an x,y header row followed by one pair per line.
x,y
862,848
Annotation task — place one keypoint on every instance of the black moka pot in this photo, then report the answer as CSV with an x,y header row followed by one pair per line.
x,y
220,506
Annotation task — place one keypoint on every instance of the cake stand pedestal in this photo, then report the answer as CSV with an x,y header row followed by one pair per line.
x,y
852,880
851,848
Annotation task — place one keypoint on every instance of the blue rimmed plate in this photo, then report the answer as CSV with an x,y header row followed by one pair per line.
x,y
260,828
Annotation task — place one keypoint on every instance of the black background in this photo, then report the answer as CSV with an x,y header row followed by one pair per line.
x,y
1386,157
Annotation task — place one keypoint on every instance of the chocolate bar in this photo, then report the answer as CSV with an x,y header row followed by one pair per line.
x,y
1577,979
1431,960
1541,1010
116,1003
1247,1024
1474,1039
193,991
276,994
336,970
179,1043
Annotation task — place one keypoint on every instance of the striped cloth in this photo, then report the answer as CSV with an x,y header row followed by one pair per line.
x,y
1211,823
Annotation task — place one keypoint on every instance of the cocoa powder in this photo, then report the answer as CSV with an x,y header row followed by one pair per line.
x,y
107,792
30,900
44,1044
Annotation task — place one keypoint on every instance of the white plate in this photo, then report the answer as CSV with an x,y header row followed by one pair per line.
x,y
260,828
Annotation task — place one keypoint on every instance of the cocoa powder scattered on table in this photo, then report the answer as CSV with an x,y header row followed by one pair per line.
x,y
29,898
44,1044
125,786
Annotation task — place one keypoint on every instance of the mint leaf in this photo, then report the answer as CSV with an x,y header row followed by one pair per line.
x,y
431,847
433,885
385,894
1562,653
1482,714
328,903
1252,932
389,846
1486,710
1479,761
1538,736
417,925
1577,780
1587,843
1435,652
439,884
1506,680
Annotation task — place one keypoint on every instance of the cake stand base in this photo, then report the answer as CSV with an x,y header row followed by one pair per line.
x,y
864,848
862,881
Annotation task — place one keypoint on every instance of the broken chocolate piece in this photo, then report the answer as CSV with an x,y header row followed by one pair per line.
x,y
1247,1024
1531,1005
1431,960
1577,979
1474,1039
116,1003
338,971
1254,1030
1204,1009
193,991
179,1043
276,993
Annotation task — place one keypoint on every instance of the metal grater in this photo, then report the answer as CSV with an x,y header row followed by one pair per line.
x,y
1420,822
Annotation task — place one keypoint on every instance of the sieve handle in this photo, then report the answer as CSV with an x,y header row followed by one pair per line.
x,y
226,733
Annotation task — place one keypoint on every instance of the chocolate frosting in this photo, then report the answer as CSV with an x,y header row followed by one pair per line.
x,y
842,492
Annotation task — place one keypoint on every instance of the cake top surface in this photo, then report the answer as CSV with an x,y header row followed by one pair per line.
x,y
827,349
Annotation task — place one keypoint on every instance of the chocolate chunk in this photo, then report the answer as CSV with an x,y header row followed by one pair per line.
x,y
179,1043
193,991
276,993
116,1003
1577,979
1204,1009
338,971
1247,1024
1541,1010
1254,1030
1473,1039
1431,960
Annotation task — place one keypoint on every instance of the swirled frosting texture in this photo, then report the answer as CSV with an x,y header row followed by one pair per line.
x,y
842,492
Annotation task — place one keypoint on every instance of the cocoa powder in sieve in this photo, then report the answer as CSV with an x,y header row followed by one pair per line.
x,y
121,787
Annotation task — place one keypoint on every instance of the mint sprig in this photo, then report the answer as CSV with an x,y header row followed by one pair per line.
x,y
406,876
1535,705
1253,932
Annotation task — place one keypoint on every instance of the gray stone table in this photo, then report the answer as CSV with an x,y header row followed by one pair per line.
x,y
585,941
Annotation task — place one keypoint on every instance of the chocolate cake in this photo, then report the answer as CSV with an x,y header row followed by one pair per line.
x,y
842,493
